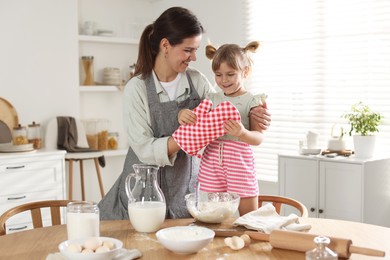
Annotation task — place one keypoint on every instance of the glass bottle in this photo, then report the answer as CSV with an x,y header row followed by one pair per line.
x,y
20,135
87,63
321,251
146,204
82,219
34,135
113,140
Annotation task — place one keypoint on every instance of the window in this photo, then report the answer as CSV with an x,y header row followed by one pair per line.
x,y
316,59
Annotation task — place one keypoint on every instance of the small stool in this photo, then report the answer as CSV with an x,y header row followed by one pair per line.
x,y
81,157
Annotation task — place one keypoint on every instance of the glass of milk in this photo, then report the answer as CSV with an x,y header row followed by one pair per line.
x,y
82,219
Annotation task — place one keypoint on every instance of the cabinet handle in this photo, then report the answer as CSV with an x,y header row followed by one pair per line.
x,y
312,209
18,228
14,167
320,211
17,198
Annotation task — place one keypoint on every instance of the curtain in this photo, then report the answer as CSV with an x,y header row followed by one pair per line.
x,y
316,59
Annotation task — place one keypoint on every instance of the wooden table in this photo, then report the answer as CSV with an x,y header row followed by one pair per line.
x,y
38,243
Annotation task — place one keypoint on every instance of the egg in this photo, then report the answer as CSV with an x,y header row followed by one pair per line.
x,y
110,245
102,249
93,243
87,251
74,248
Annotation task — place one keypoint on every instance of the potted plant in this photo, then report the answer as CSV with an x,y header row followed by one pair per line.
x,y
364,123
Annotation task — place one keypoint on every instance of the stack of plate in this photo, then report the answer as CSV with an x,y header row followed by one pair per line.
x,y
11,148
112,76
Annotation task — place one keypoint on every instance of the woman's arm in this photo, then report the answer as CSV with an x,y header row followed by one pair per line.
x,y
261,117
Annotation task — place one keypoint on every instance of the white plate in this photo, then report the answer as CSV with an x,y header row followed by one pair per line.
x,y
10,148
306,151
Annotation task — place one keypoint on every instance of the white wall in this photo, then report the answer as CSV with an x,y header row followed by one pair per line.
x,y
38,72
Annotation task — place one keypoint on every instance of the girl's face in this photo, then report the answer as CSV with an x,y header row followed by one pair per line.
x,y
231,81
180,55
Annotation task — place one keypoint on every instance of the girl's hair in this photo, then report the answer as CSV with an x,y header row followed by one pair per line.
x,y
174,24
235,56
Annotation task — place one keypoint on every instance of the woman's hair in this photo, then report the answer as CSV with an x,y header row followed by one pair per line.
x,y
235,56
174,24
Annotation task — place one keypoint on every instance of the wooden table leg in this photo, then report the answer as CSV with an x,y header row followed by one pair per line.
x,y
99,177
70,179
82,180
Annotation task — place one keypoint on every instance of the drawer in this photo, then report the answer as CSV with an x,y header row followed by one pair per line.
x,y
32,176
12,228
7,202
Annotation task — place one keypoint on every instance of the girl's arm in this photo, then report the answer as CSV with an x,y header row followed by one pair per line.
x,y
251,137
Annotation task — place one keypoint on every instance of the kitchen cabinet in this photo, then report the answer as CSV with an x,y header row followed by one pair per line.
x,y
27,177
339,188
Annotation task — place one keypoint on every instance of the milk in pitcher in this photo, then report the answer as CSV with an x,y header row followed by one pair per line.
x,y
147,216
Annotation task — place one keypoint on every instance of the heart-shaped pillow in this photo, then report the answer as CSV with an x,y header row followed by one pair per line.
x,y
209,126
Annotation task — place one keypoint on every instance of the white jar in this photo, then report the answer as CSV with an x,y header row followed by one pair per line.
x,y
82,220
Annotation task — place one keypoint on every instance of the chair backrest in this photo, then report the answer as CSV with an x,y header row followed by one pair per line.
x,y
278,201
36,215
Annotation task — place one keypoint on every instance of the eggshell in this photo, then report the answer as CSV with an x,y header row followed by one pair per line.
x,y
93,243
235,242
246,238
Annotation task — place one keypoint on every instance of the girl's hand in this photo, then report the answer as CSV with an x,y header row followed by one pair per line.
x,y
261,116
234,128
186,116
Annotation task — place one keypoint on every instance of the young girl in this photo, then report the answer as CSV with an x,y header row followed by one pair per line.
x,y
227,163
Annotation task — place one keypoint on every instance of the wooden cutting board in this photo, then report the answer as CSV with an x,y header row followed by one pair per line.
x,y
8,114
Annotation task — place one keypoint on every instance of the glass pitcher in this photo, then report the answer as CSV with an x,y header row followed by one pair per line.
x,y
146,205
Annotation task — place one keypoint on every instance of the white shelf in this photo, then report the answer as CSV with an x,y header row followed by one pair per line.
x,y
112,153
106,39
100,88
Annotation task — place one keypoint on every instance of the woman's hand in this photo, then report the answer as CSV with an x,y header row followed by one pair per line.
x,y
261,116
234,128
186,116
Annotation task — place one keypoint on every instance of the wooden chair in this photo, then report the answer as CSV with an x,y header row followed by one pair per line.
x,y
36,215
278,201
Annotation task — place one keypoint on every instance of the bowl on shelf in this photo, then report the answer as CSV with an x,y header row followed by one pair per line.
x,y
212,207
185,239
70,249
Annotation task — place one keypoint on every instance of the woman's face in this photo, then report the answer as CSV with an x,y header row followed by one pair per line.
x,y
230,80
180,55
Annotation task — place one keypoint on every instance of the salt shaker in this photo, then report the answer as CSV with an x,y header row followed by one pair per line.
x,y
321,251
82,220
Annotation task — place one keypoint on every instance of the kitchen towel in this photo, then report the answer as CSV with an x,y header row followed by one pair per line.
x,y
265,219
67,138
124,254
209,126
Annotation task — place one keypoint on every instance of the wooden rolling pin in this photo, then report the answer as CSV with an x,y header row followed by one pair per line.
x,y
302,242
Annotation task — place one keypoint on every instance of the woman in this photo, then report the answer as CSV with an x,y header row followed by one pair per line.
x,y
163,84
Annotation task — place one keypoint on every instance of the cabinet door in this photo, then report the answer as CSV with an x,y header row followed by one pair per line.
x,y
341,191
298,179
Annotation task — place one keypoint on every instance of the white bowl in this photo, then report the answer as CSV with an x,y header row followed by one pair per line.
x,y
90,256
185,239
212,207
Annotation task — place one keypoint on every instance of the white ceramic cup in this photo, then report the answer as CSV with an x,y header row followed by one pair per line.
x,y
312,140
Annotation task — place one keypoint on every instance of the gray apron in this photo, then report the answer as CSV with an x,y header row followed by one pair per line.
x,y
175,181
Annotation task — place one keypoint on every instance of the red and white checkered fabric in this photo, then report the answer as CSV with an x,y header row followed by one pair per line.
x,y
208,127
